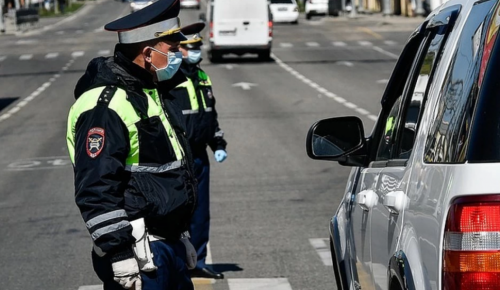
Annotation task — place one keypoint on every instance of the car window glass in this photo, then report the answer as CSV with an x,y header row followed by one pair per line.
x,y
447,137
388,133
415,104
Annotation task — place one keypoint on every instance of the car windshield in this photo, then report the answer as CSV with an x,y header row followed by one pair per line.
x,y
281,2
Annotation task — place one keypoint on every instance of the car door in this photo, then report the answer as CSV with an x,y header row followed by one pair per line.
x,y
397,142
366,187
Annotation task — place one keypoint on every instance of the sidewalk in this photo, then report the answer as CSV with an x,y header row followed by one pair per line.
x,y
44,23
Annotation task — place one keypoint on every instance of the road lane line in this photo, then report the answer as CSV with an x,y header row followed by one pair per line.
x,y
365,43
322,90
390,42
52,55
252,284
286,44
78,53
33,95
339,43
323,250
26,57
312,44
383,51
104,52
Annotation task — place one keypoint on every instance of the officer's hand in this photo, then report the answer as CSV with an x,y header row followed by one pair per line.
x,y
127,274
191,256
220,155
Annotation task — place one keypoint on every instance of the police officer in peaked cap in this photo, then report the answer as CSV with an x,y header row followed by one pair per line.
x,y
134,182
196,99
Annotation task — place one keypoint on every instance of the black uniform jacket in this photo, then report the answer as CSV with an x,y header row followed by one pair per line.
x,y
102,185
203,127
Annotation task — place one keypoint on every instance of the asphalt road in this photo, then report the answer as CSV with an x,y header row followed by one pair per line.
x,y
271,204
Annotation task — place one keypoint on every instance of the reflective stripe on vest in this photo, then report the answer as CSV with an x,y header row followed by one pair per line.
x,y
128,115
188,85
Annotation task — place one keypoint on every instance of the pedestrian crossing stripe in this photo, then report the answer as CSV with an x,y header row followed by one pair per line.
x,y
26,57
251,284
323,250
234,284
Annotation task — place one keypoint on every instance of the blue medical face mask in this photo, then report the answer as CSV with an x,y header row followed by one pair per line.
x,y
174,62
193,56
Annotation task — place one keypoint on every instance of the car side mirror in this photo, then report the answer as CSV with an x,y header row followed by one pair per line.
x,y
202,17
335,139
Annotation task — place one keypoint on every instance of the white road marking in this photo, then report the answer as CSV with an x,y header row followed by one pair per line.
x,y
91,287
78,53
208,259
286,44
346,63
390,42
339,43
104,52
100,29
60,32
253,284
323,250
319,88
26,57
383,51
52,55
384,81
33,95
52,162
312,44
2,58
364,43
26,41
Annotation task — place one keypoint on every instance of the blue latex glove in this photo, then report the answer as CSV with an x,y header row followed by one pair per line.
x,y
220,155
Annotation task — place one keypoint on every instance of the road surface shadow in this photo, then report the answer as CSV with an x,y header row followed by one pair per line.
x,y
222,268
5,102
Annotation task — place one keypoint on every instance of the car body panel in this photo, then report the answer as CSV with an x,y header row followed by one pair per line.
x,y
377,246
285,12
316,7
190,3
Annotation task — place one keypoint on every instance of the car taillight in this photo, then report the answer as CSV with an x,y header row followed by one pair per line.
x,y
471,257
270,25
211,30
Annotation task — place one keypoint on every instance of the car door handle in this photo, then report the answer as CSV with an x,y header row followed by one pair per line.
x,y
367,199
246,22
396,201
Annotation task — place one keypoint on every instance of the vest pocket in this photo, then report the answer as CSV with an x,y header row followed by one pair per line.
x,y
154,144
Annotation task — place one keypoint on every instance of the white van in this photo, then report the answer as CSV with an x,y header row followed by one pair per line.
x,y
239,27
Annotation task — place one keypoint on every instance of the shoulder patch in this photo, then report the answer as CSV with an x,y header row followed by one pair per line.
x,y
95,141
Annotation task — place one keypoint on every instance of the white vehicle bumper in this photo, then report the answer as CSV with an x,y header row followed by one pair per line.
x,y
286,17
316,8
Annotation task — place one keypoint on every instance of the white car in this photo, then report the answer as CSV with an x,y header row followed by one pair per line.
x,y
190,4
421,209
137,5
284,11
316,7
239,27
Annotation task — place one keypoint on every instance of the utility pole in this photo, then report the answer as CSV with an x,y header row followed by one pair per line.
x,y
420,8
56,6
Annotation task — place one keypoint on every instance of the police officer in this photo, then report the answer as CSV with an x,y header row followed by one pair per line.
x,y
133,184
195,98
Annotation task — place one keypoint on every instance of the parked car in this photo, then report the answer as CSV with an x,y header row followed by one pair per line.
x,y
316,7
421,209
284,11
239,27
190,4
137,5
